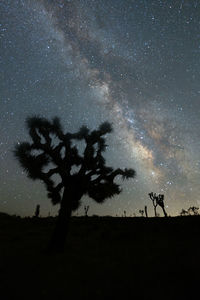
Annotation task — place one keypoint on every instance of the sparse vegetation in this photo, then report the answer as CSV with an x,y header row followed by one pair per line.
x,y
141,211
192,210
184,212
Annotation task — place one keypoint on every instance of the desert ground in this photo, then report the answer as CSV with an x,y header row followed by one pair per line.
x,y
104,258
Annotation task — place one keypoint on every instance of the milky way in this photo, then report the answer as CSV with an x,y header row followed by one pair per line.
x,y
133,63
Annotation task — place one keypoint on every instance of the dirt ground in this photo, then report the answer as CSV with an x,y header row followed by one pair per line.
x,y
105,258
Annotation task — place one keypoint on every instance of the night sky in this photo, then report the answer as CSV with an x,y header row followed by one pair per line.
x,y
133,63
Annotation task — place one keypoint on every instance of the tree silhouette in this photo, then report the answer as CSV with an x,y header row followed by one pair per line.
x,y
154,201
53,154
146,213
158,200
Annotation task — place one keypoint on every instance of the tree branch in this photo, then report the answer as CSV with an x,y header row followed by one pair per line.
x,y
52,172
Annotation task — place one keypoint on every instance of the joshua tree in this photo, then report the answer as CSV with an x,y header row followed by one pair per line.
x,y
141,212
86,208
158,200
37,211
154,201
53,153
125,213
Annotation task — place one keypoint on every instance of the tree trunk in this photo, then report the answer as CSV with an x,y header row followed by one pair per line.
x,y
145,209
58,239
155,211
164,211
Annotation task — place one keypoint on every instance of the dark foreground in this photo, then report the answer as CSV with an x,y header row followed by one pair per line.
x,y
105,258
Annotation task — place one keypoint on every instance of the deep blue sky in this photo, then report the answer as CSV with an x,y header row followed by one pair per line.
x,y
133,63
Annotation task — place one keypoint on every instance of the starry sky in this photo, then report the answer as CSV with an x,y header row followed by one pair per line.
x,y
134,63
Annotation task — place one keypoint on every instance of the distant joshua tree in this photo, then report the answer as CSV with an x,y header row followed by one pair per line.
x,y
53,153
158,200
125,213
86,208
37,211
153,198
141,212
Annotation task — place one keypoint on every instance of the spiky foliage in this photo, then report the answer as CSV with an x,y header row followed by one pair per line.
x,y
52,152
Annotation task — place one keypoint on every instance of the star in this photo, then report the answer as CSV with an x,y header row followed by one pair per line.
x,y
134,64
